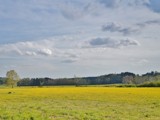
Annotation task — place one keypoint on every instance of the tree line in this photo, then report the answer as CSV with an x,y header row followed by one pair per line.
x,y
152,78
121,78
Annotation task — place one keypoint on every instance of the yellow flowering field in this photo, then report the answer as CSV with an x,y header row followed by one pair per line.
x,y
79,103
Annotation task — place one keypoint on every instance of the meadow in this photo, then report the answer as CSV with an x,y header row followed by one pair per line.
x,y
79,103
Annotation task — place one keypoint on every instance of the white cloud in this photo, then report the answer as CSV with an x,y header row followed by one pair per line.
x,y
29,53
44,48
45,52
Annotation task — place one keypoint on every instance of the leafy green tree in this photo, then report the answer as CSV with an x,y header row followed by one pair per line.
x,y
12,78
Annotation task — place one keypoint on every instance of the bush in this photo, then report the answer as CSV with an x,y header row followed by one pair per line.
x,y
150,84
127,85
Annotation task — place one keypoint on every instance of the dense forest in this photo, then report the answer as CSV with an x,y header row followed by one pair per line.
x,y
121,78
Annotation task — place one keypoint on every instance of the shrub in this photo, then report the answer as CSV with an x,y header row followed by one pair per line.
x,y
150,84
127,85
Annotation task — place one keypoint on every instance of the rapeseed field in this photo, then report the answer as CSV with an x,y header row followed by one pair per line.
x,y
79,103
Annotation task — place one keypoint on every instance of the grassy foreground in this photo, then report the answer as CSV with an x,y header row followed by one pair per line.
x,y
80,103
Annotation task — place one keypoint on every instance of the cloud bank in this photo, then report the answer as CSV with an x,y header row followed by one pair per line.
x,y
110,43
113,27
85,35
41,48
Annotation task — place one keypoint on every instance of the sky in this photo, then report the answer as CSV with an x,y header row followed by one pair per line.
x,y
66,38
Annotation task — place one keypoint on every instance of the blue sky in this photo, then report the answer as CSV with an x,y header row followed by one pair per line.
x,y
63,38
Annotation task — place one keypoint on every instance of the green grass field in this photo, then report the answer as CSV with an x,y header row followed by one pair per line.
x,y
80,103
